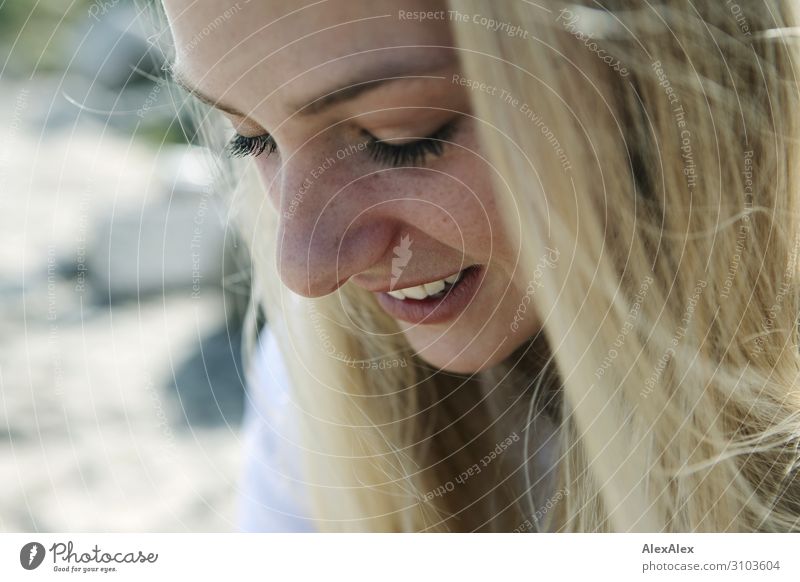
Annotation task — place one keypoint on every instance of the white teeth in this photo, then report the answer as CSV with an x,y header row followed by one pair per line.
x,y
417,292
434,288
425,290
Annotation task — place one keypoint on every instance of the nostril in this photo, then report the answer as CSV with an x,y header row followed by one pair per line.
x,y
319,266
311,271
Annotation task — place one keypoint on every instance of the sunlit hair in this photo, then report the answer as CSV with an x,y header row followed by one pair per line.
x,y
659,155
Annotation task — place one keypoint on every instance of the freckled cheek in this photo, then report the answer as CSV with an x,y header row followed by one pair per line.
x,y
468,217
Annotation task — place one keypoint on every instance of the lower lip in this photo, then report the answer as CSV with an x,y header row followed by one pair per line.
x,y
435,310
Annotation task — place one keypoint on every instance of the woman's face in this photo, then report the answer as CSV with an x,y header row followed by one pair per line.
x,y
377,172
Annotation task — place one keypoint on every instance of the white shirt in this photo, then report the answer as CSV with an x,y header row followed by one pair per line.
x,y
271,484
271,493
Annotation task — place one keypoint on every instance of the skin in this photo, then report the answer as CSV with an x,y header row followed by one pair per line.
x,y
265,59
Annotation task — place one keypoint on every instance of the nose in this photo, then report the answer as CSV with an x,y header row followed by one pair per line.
x,y
331,223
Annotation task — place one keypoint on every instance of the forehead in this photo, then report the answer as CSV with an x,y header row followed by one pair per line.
x,y
289,47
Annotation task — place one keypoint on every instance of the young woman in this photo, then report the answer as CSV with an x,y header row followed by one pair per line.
x,y
526,266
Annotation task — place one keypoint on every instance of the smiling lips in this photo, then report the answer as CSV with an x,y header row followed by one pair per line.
x,y
434,302
427,290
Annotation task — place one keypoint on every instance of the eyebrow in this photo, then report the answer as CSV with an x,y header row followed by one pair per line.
x,y
346,92
350,91
180,80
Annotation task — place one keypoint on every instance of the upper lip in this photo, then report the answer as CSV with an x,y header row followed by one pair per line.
x,y
420,281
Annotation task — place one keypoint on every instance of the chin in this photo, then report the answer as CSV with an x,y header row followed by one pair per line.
x,y
464,353
474,342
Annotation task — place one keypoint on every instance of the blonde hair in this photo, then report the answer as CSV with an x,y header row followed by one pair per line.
x,y
657,152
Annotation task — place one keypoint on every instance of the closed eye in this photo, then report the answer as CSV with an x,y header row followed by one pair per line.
x,y
383,152
241,145
413,153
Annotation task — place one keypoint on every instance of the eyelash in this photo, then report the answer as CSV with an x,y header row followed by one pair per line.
x,y
241,145
413,153
380,151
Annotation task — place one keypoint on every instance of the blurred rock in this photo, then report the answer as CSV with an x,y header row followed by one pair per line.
x,y
174,242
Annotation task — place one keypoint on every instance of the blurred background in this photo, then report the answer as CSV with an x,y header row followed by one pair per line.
x,y
121,286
